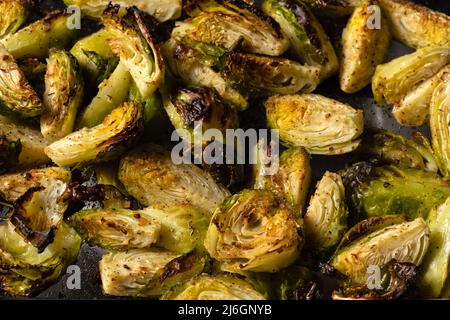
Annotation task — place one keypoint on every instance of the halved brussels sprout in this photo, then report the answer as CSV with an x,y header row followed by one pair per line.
x,y
195,65
9,153
405,242
393,80
290,182
229,24
17,97
216,287
378,191
149,174
183,228
309,42
146,273
15,13
162,10
319,124
103,142
260,75
435,267
136,46
363,47
64,88
326,218
36,39
415,25
254,231
25,271
31,140
439,123
15,185
112,92
414,109
398,150
119,229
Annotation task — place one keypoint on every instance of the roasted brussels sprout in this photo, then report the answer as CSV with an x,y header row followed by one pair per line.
x,y
435,267
229,24
254,231
64,88
290,182
440,131
149,174
413,109
395,149
17,97
36,39
216,287
415,25
309,42
183,228
326,218
107,140
9,153
406,242
34,71
31,140
146,273
378,191
363,47
116,229
263,76
162,10
393,80
319,124
133,42
112,92
25,271
15,13
195,65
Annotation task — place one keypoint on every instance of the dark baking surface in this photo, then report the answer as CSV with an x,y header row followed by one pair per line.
x,y
374,117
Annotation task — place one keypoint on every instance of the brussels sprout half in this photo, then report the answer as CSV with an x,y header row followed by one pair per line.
x,y
15,13
103,142
254,231
319,124
215,287
146,273
309,42
363,47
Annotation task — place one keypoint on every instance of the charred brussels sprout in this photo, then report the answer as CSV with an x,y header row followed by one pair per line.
x,y
395,149
262,76
36,39
254,231
435,267
133,42
326,218
377,245
319,124
415,25
216,287
309,42
116,229
162,10
64,88
9,153
146,273
15,13
149,174
378,191
229,24
291,181
393,80
440,130
107,140
17,97
363,47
